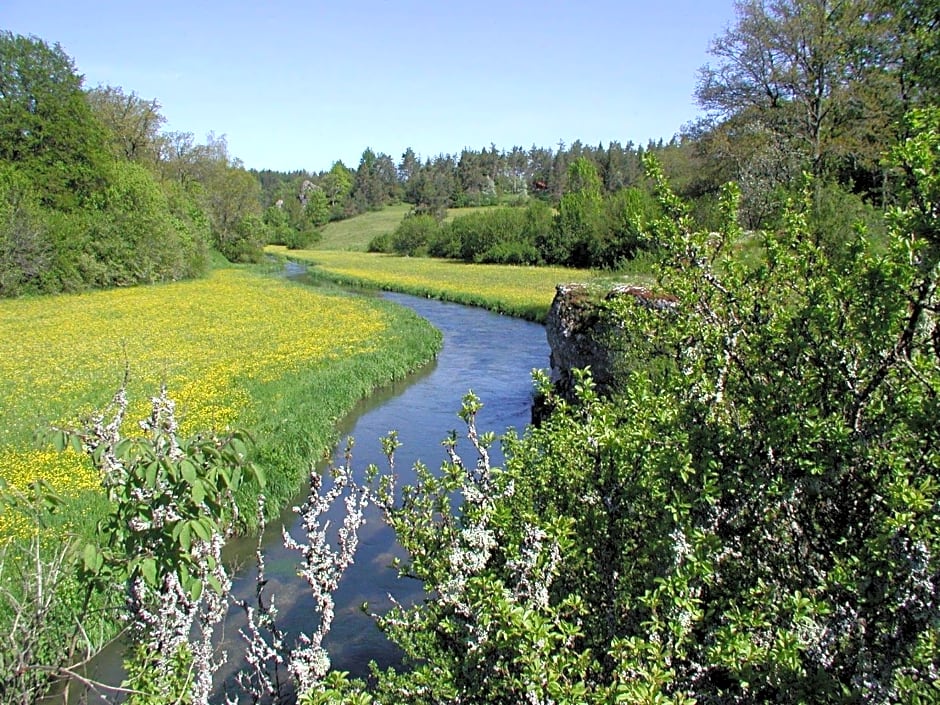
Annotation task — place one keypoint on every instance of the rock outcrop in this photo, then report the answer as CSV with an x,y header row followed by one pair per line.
x,y
582,332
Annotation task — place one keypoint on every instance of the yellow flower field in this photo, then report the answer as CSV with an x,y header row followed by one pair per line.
x,y
64,356
520,291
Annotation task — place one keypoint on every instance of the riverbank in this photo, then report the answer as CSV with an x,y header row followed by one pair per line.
x,y
524,292
239,349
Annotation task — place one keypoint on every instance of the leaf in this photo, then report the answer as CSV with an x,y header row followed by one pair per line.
x,y
150,474
258,474
202,531
186,536
195,590
148,568
59,440
93,559
199,492
188,471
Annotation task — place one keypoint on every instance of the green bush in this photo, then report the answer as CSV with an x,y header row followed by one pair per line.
x,y
510,253
414,233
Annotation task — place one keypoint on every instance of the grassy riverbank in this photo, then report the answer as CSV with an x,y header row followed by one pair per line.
x,y
237,349
525,292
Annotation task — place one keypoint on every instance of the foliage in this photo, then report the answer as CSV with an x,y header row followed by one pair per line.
x,y
628,213
490,634
413,234
27,250
40,598
806,68
295,218
132,122
751,518
76,214
46,126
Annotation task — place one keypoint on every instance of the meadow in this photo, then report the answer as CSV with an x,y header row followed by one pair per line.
x,y
525,292
237,349
354,234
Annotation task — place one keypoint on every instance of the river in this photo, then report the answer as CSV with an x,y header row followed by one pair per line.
x,y
492,355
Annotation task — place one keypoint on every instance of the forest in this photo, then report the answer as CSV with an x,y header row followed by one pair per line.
x,y
750,514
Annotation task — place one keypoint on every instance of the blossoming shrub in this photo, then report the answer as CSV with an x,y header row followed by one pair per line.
x,y
755,515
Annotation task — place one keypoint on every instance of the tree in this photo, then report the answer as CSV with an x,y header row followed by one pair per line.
x,y
435,186
337,185
134,123
914,42
580,223
376,181
233,202
46,126
26,248
813,69
407,169
222,187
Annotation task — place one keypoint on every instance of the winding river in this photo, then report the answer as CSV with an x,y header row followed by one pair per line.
x,y
492,355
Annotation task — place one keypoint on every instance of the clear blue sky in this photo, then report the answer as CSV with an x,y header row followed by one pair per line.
x,y
298,85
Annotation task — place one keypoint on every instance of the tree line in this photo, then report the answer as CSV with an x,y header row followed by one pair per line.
x,y
797,87
94,194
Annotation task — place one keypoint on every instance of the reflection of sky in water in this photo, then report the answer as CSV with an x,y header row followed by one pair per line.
x,y
491,354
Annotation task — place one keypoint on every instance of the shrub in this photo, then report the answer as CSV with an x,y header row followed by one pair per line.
x,y
413,234
510,253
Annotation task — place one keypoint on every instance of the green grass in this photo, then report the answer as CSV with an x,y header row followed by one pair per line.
x,y
355,234
526,292
236,350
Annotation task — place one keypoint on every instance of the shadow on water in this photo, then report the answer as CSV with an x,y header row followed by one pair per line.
x,y
491,354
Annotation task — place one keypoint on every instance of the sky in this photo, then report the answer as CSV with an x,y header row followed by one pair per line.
x,y
300,85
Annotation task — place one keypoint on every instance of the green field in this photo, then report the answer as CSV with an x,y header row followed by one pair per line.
x,y
525,292
237,349
356,233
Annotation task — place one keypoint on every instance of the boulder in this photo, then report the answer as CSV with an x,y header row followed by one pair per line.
x,y
582,332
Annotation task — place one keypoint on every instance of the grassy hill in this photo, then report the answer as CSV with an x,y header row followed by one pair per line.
x,y
354,234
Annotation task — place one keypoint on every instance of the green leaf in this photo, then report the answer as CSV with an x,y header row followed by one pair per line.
x,y
195,590
59,440
150,474
148,568
199,492
202,530
188,471
93,558
186,536
258,474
